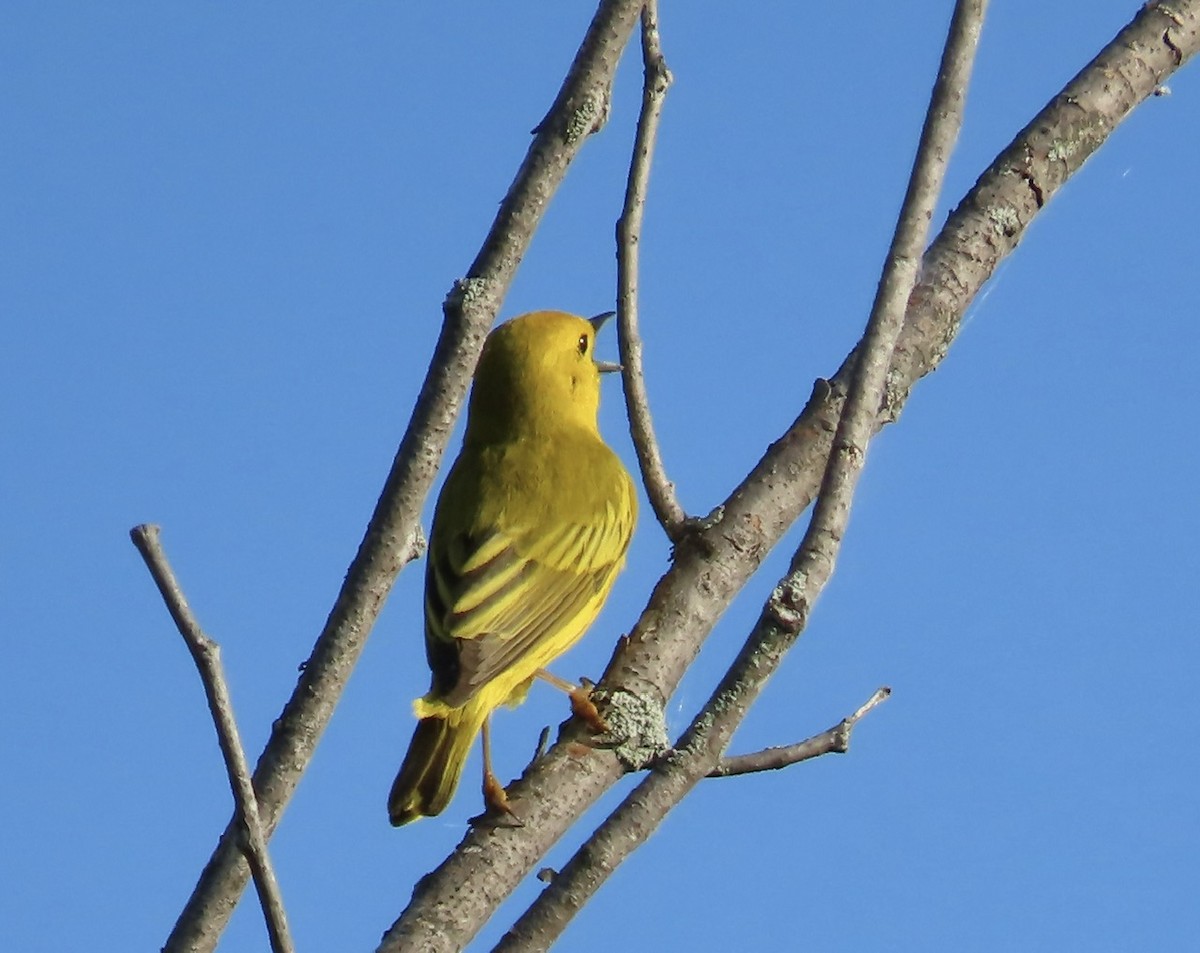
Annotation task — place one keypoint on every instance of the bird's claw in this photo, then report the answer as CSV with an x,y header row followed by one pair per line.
x,y
583,708
495,799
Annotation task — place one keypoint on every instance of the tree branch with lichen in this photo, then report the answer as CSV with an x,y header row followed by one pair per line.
x,y
393,537
787,611
712,565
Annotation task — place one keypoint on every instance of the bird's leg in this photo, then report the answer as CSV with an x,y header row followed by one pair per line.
x,y
582,706
494,796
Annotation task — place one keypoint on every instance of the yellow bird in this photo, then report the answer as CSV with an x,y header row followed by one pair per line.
x,y
529,533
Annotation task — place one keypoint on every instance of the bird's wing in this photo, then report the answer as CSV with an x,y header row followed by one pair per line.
x,y
500,597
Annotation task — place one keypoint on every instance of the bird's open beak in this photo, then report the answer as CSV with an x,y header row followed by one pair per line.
x,y
598,320
604,367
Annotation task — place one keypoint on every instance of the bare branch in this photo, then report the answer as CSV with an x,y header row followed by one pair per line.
x,y
835,740
991,220
787,611
656,80
712,566
393,537
817,555
451,903
207,655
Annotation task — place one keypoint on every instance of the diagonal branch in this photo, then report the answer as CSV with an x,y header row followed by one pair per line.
x,y
835,740
787,611
656,80
710,568
454,901
207,655
393,537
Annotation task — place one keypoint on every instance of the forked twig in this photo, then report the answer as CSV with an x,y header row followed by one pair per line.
x,y
207,655
835,740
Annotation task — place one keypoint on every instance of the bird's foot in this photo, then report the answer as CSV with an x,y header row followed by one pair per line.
x,y
495,799
583,708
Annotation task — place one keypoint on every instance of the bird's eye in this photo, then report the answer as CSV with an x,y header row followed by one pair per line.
x,y
584,341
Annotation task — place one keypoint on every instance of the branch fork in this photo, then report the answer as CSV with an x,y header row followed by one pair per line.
x,y
207,655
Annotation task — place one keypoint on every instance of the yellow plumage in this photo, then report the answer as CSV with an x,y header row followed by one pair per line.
x,y
529,532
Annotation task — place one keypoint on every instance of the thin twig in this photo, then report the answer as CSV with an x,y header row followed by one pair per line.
x,y
787,611
656,80
207,655
835,740
543,742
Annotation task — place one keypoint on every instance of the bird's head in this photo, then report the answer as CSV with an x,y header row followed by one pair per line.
x,y
538,372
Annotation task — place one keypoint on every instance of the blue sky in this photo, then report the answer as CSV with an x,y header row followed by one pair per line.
x,y
229,230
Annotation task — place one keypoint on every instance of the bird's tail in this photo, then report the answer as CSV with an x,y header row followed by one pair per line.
x,y
434,763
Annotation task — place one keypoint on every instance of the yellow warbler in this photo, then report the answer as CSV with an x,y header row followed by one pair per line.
x,y
529,532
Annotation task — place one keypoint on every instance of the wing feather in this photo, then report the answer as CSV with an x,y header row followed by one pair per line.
x,y
509,601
